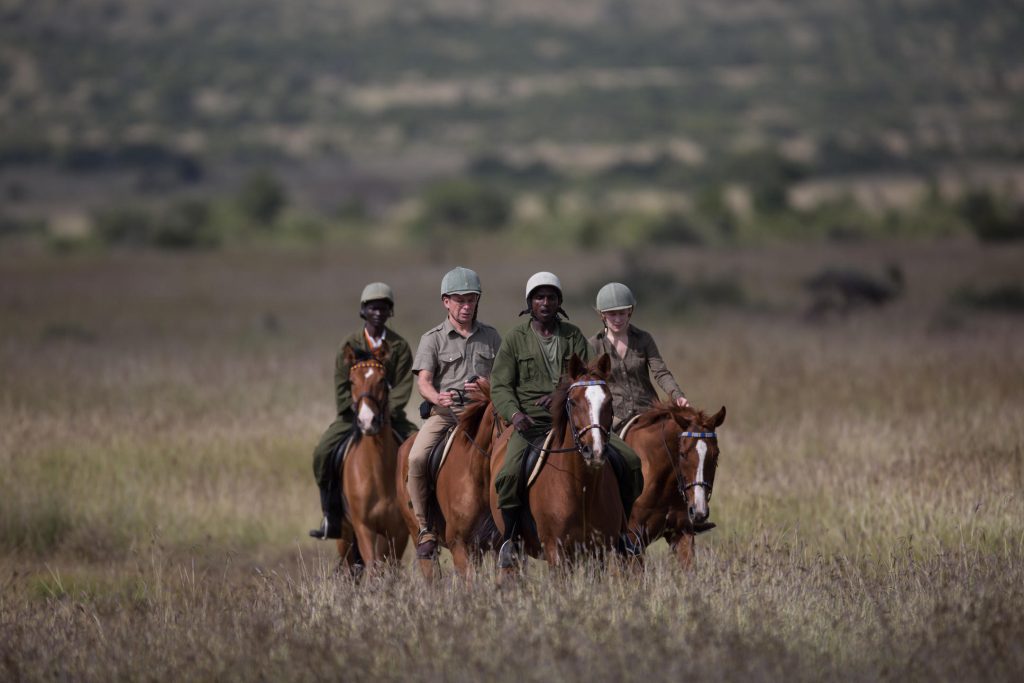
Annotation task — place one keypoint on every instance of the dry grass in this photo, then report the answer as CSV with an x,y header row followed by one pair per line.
x,y
159,411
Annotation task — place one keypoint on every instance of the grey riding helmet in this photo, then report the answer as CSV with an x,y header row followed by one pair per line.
x,y
614,296
460,280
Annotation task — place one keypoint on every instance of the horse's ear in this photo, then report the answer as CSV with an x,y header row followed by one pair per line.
x,y
576,367
349,355
603,366
718,418
383,351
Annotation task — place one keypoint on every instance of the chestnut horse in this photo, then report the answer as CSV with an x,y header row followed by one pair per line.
x,y
369,469
462,515
574,501
678,448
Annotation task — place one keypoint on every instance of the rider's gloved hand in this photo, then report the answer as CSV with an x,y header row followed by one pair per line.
x,y
521,422
544,402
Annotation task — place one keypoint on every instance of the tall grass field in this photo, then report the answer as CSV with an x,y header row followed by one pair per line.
x,y
158,412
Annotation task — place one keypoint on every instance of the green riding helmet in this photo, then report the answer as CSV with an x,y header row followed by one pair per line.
x,y
615,296
376,291
460,280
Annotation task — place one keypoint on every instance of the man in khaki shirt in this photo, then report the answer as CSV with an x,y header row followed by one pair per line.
x,y
450,355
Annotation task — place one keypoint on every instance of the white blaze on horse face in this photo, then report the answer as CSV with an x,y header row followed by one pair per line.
x,y
366,414
596,396
700,501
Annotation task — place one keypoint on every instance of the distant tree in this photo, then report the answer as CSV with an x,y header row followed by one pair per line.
x,y
462,205
262,198
990,219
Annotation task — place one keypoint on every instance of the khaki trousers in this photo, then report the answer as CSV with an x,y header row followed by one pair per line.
x,y
430,433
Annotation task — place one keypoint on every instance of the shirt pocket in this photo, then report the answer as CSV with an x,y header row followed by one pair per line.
x,y
451,362
527,369
483,360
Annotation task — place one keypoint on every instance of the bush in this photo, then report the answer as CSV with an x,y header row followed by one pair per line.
x,y
185,225
262,198
123,226
1008,298
992,219
463,206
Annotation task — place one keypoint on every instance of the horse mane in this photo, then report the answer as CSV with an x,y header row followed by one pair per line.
x,y
473,415
684,417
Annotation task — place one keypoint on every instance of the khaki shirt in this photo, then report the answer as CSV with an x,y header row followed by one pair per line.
x,y
452,359
630,381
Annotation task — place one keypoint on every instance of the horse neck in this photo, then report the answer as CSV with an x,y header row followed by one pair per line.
x,y
655,445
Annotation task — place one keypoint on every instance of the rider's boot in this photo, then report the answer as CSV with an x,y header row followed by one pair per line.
x,y
508,555
426,543
330,503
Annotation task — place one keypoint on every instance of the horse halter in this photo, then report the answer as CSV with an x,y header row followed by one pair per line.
x,y
577,433
680,479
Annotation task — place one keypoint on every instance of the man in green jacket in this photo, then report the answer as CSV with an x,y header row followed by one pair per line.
x,y
377,304
532,358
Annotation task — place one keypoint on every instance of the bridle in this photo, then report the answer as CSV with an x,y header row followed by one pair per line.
x,y
367,396
578,433
681,484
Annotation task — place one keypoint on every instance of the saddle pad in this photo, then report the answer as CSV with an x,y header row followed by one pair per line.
x,y
535,459
437,455
625,428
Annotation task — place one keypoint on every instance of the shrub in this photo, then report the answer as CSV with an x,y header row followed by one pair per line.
x,y
123,225
185,225
463,206
992,219
1008,298
262,198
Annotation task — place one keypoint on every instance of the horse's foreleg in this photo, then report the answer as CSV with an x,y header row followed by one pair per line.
x,y
464,561
683,547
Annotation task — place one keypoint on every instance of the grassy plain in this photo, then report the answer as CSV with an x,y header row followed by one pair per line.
x,y
158,412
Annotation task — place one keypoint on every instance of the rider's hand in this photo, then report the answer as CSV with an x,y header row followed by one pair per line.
x,y
544,401
682,402
445,399
521,422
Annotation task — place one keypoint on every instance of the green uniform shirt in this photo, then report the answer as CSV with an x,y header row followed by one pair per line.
x,y
519,376
398,366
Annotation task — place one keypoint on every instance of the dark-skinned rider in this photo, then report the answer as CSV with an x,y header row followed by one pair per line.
x,y
376,306
532,358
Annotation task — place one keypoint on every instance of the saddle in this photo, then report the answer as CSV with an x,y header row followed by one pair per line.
x,y
439,453
625,427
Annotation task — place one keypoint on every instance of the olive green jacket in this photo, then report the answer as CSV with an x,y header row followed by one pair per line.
x,y
519,376
630,381
398,365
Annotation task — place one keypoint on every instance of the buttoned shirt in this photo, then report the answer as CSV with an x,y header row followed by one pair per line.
x,y
452,359
630,381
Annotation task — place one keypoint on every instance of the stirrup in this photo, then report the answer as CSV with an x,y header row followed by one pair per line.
x,y
426,544
508,555
325,531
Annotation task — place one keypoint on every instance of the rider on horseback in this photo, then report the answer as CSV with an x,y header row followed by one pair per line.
x,y
450,357
376,306
532,358
635,357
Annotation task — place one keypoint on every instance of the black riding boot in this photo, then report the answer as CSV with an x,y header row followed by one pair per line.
x,y
330,503
508,555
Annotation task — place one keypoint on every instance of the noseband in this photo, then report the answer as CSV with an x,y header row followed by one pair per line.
x,y
577,433
680,479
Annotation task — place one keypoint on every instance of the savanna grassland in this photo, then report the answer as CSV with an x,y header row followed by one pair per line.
x,y
158,412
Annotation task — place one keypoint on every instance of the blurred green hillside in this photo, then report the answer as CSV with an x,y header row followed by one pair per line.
x,y
689,117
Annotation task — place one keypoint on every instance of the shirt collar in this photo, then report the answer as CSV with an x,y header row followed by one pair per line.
x,y
450,329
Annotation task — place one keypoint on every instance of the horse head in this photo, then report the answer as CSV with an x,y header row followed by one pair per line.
x,y
583,404
697,451
368,379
